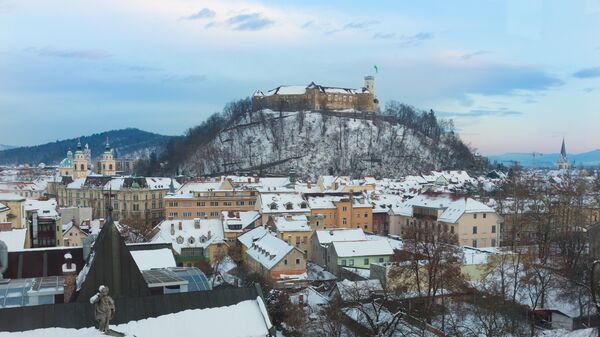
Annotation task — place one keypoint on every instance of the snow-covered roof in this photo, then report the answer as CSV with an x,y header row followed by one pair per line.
x,y
212,322
44,208
247,238
155,258
268,250
283,203
292,223
464,205
14,239
288,90
11,197
209,231
76,184
243,219
358,290
438,201
340,234
362,248
200,186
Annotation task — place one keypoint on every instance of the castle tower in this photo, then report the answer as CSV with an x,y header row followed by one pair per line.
x,y
80,163
107,163
370,84
562,163
66,165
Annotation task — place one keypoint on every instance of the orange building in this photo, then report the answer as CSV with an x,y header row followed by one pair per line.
x,y
340,210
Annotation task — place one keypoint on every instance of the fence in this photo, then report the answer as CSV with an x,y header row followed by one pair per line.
x,y
81,314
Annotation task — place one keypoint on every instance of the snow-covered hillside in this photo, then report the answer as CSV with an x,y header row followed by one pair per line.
x,y
315,143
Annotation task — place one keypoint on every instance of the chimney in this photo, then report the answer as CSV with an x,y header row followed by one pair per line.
x,y
172,229
197,223
308,185
69,271
180,225
256,179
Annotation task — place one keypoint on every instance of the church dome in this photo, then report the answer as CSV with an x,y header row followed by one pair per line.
x,y
67,162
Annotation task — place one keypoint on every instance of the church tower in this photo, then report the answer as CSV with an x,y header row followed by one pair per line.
x,y
80,163
66,165
107,164
563,163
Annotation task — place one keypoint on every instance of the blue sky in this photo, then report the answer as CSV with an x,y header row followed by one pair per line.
x,y
515,76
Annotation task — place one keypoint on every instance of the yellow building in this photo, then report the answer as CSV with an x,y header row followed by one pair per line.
x,y
207,199
16,213
294,230
80,163
271,257
340,210
139,200
474,223
108,164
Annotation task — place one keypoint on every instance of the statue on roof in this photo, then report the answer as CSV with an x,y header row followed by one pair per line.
x,y
104,308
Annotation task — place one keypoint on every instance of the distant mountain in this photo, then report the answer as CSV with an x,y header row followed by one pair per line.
x,y
548,160
129,142
6,147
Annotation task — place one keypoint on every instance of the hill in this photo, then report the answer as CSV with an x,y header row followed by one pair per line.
x,y
6,147
129,142
400,141
548,160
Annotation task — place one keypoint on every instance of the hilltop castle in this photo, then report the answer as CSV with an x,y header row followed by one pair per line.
x,y
317,97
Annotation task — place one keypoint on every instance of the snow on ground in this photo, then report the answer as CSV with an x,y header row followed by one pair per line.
x,y
565,333
213,322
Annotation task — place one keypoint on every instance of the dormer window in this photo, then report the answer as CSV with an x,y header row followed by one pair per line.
x,y
289,206
273,206
180,239
303,205
191,240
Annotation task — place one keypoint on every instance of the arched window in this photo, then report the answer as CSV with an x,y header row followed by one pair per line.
x,y
110,167
82,167
191,240
180,239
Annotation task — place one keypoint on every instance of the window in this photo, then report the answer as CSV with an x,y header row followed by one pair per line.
x,y
474,243
381,260
366,226
273,206
187,214
214,214
289,205
297,240
493,242
452,229
252,203
474,215
285,262
484,215
173,214
297,261
172,204
344,208
474,229
366,215
343,262
200,203
303,205
366,262
200,214
136,207
226,203
214,203
343,221
239,203
493,229
351,262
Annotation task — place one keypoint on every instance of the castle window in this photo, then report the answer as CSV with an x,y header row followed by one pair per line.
x,y
350,99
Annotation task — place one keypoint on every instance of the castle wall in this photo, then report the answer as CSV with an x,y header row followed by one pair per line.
x,y
314,99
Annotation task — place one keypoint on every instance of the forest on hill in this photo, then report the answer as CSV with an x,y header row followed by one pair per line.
x,y
126,143
398,141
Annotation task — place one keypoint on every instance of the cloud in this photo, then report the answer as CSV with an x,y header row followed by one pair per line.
x,y
416,39
249,22
204,13
144,68
587,73
475,53
382,35
308,24
87,54
361,24
501,112
187,79
588,90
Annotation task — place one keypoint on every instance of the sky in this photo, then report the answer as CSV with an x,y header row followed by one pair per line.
x,y
514,75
